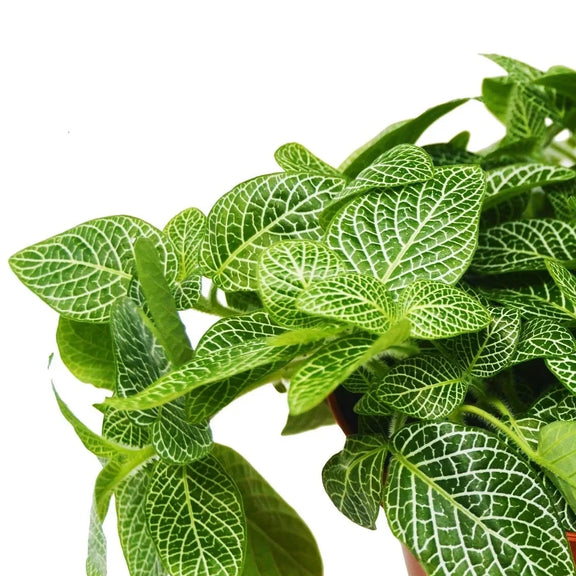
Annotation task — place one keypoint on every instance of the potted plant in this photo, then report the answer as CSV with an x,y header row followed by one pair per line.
x,y
421,296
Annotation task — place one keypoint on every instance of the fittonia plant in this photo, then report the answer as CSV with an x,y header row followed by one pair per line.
x,y
432,285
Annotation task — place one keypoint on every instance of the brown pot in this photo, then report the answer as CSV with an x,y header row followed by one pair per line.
x,y
341,403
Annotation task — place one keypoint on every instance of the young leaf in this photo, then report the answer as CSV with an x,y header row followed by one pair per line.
x,y
319,416
196,520
86,350
400,236
96,564
278,541
465,504
436,310
186,231
355,299
405,132
293,157
83,271
139,550
247,219
425,386
353,478
169,328
285,270
523,246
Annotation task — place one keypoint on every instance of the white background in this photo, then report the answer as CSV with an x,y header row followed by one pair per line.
x,y
147,108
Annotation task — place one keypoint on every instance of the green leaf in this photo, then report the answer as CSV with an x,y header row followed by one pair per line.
x,y
86,350
137,545
526,115
564,368
279,542
320,415
542,338
169,329
436,310
405,132
564,279
517,70
293,157
176,440
561,79
83,271
285,270
255,214
524,246
186,231
96,564
464,504
489,351
118,427
139,357
557,448
508,181
449,153
400,236
496,96
187,292
425,386
196,520
353,478
561,198
556,404
354,299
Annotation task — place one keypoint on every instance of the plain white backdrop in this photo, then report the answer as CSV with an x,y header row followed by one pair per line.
x,y
146,108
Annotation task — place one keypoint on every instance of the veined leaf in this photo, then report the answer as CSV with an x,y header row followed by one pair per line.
x,y
464,504
86,350
526,115
83,271
353,478
564,279
542,338
308,335
561,79
556,404
436,310
255,214
196,520
560,197
425,386
557,448
139,357
489,351
285,270
405,132
293,157
137,545
118,427
403,164
400,236
279,543
449,153
507,181
354,299
187,292
517,70
525,245
176,440
186,231
564,368
169,328
96,564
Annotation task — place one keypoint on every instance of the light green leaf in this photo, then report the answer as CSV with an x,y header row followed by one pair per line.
x,y
525,245
543,338
118,427
169,328
96,564
139,357
308,335
403,164
176,440
317,417
464,504
557,448
83,271
285,270
186,231
404,132
293,157
401,236
353,478
196,520
526,114
561,79
436,310
279,542
564,368
254,215
489,351
86,350
354,299
508,181
187,292
137,545
424,386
